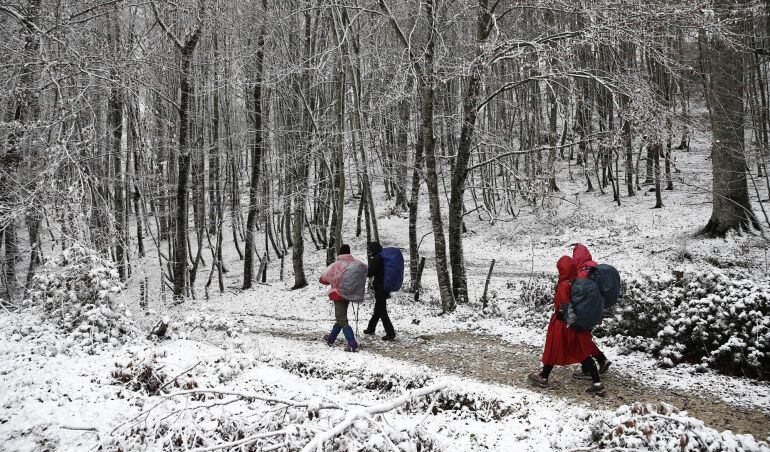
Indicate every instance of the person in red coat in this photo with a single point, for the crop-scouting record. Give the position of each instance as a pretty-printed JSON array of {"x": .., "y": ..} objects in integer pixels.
[
  {"x": 583, "y": 263},
  {"x": 565, "y": 345}
]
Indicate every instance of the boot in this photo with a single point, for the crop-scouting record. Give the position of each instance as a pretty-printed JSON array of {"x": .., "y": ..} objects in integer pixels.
[
  {"x": 352, "y": 346},
  {"x": 538, "y": 380},
  {"x": 389, "y": 337},
  {"x": 368, "y": 331},
  {"x": 597, "y": 389},
  {"x": 581, "y": 375},
  {"x": 331, "y": 338}
]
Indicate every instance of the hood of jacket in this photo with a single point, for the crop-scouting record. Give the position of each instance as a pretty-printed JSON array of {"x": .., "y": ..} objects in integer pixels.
[
  {"x": 582, "y": 257},
  {"x": 567, "y": 269},
  {"x": 373, "y": 248},
  {"x": 346, "y": 258}
]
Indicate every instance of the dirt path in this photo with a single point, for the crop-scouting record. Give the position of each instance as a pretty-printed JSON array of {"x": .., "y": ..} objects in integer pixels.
[{"x": 490, "y": 359}]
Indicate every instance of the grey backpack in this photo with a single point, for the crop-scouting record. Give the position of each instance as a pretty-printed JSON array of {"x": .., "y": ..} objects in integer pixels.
[{"x": 353, "y": 282}]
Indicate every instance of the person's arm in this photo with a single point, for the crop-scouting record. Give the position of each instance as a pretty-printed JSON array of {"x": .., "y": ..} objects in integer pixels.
[
  {"x": 325, "y": 275},
  {"x": 563, "y": 298},
  {"x": 374, "y": 266}
]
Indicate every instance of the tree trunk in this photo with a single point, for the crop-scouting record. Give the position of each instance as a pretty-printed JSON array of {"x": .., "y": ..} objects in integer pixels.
[
  {"x": 26, "y": 110},
  {"x": 115, "y": 126},
  {"x": 460, "y": 166},
  {"x": 414, "y": 202},
  {"x": 183, "y": 158},
  {"x": 732, "y": 207},
  {"x": 256, "y": 159},
  {"x": 402, "y": 141},
  {"x": 434, "y": 203}
]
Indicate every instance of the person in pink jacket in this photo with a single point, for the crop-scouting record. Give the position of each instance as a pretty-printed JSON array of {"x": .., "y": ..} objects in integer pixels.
[{"x": 346, "y": 278}]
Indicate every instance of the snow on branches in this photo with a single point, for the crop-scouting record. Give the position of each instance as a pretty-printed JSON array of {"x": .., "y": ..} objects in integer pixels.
[{"x": 76, "y": 289}]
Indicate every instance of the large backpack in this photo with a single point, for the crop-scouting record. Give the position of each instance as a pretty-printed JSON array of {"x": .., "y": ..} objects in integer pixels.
[
  {"x": 608, "y": 279},
  {"x": 353, "y": 281},
  {"x": 392, "y": 269},
  {"x": 586, "y": 309}
]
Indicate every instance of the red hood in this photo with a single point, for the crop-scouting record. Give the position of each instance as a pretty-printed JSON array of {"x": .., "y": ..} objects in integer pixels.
[
  {"x": 582, "y": 257},
  {"x": 567, "y": 269}
]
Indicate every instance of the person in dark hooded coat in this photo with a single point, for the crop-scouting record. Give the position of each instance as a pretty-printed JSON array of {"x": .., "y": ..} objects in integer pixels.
[
  {"x": 377, "y": 270},
  {"x": 565, "y": 345}
]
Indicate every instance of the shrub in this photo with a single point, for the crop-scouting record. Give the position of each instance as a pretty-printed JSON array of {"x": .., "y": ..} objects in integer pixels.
[
  {"x": 727, "y": 327},
  {"x": 712, "y": 318},
  {"x": 76, "y": 289},
  {"x": 660, "y": 426},
  {"x": 645, "y": 306},
  {"x": 142, "y": 373}
]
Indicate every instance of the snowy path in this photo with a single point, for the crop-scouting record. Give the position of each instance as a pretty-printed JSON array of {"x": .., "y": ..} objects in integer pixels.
[
  {"x": 492, "y": 360},
  {"x": 500, "y": 355}
]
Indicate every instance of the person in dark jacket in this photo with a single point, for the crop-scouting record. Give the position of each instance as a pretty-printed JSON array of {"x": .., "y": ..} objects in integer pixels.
[{"x": 377, "y": 270}]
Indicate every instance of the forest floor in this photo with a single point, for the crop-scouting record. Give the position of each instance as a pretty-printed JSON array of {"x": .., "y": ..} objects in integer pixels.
[
  {"x": 490, "y": 359},
  {"x": 270, "y": 337}
]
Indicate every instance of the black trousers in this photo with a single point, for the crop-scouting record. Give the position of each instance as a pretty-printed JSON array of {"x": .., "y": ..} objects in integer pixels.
[
  {"x": 381, "y": 313},
  {"x": 588, "y": 365}
]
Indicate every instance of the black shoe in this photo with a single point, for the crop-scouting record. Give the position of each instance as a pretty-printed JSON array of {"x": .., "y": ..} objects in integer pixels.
[
  {"x": 597, "y": 389},
  {"x": 580, "y": 375},
  {"x": 604, "y": 367},
  {"x": 368, "y": 331},
  {"x": 538, "y": 380},
  {"x": 389, "y": 337}
]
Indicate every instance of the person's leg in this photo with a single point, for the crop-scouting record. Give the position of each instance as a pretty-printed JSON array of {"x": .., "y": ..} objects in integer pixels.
[
  {"x": 604, "y": 363},
  {"x": 600, "y": 358},
  {"x": 338, "y": 324},
  {"x": 597, "y": 388},
  {"x": 589, "y": 366},
  {"x": 372, "y": 327},
  {"x": 341, "y": 313},
  {"x": 389, "y": 331},
  {"x": 347, "y": 330}
]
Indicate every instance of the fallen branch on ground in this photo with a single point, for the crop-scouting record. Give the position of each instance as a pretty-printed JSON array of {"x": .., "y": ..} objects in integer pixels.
[
  {"x": 317, "y": 442},
  {"x": 180, "y": 374}
]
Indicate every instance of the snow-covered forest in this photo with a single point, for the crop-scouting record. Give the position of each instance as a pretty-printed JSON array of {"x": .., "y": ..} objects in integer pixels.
[{"x": 175, "y": 178}]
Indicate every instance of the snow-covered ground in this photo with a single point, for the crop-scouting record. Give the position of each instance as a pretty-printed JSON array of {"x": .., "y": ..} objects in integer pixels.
[{"x": 266, "y": 342}]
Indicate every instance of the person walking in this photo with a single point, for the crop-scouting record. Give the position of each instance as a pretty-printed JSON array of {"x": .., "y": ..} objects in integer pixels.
[
  {"x": 377, "y": 270},
  {"x": 346, "y": 278},
  {"x": 564, "y": 345},
  {"x": 583, "y": 263}
]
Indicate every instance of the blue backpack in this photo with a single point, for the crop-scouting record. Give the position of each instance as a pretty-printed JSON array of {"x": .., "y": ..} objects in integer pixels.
[
  {"x": 392, "y": 269},
  {"x": 607, "y": 279},
  {"x": 586, "y": 309}
]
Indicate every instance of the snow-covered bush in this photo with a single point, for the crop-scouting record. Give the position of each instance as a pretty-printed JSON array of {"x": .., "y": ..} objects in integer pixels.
[
  {"x": 537, "y": 292},
  {"x": 645, "y": 306},
  {"x": 712, "y": 318},
  {"x": 141, "y": 373},
  {"x": 727, "y": 327},
  {"x": 644, "y": 426},
  {"x": 233, "y": 365},
  {"x": 76, "y": 289}
]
